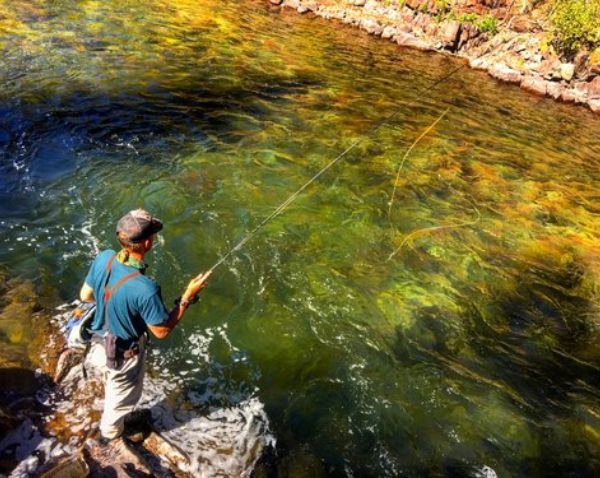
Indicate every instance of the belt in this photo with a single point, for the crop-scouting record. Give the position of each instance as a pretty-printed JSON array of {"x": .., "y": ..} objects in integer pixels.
[{"x": 129, "y": 351}]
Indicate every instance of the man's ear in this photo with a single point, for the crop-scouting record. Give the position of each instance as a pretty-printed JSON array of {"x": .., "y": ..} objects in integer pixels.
[{"x": 148, "y": 243}]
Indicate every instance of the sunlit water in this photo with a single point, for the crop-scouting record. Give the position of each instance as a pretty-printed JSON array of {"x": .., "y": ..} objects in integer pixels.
[{"x": 475, "y": 347}]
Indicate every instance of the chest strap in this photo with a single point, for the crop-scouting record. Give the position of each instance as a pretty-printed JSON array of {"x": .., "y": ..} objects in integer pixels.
[{"x": 110, "y": 291}]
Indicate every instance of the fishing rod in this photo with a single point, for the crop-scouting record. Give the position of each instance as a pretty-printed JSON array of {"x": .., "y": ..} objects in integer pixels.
[{"x": 294, "y": 195}]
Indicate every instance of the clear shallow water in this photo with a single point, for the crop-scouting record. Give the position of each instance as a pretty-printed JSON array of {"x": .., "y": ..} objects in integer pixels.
[{"x": 475, "y": 345}]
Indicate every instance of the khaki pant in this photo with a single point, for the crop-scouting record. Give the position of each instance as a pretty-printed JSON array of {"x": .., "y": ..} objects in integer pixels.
[{"x": 122, "y": 388}]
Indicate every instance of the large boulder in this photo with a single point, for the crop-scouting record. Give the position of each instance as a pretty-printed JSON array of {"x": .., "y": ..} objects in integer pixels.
[
  {"x": 504, "y": 73},
  {"x": 535, "y": 85},
  {"x": 406, "y": 39},
  {"x": 388, "y": 32},
  {"x": 554, "y": 89},
  {"x": 573, "y": 95},
  {"x": 371, "y": 26},
  {"x": 567, "y": 71},
  {"x": 450, "y": 34},
  {"x": 593, "y": 89}
]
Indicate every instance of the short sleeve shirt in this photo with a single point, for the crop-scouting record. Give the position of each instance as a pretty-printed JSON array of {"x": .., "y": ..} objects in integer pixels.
[{"x": 134, "y": 305}]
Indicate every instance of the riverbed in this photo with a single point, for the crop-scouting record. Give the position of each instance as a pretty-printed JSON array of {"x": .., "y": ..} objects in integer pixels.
[{"x": 474, "y": 348}]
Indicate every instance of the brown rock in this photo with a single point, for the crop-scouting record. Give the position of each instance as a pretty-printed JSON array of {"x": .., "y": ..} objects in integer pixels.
[
  {"x": 580, "y": 62},
  {"x": 478, "y": 64},
  {"x": 422, "y": 21},
  {"x": 468, "y": 31},
  {"x": 595, "y": 106},
  {"x": 406, "y": 15},
  {"x": 406, "y": 39},
  {"x": 405, "y": 27},
  {"x": 414, "y": 4},
  {"x": 554, "y": 90},
  {"x": 371, "y": 26},
  {"x": 450, "y": 34},
  {"x": 523, "y": 23},
  {"x": 388, "y": 32},
  {"x": 549, "y": 68},
  {"x": 276, "y": 2},
  {"x": 535, "y": 85},
  {"x": 359, "y": 3},
  {"x": 291, "y": 3},
  {"x": 71, "y": 466},
  {"x": 504, "y": 73},
  {"x": 432, "y": 7},
  {"x": 593, "y": 88},
  {"x": 571, "y": 95}
]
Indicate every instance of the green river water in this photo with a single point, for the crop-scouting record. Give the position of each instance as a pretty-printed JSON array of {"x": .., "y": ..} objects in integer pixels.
[{"x": 476, "y": 347}]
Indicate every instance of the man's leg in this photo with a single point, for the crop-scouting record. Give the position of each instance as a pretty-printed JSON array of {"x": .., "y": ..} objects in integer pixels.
[
  {"x": 96, "y": 360},
  {"x": 122, "y": 391}
]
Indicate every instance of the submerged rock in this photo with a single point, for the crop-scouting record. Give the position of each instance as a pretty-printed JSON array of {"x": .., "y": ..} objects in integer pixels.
[{"x": 70, "y": 467}]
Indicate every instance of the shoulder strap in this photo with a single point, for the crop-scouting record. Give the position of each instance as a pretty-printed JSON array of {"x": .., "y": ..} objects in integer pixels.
[{"x": 110, "y": 291}]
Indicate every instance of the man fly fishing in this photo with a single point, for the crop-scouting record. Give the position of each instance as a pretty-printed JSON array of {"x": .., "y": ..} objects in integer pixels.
[{"x": 128, "y": 304}]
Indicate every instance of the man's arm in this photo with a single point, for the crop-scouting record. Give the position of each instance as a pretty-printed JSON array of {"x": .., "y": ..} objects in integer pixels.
[
  {"x": 160, "y": 331},
  {"x": 86, "y": 294}
]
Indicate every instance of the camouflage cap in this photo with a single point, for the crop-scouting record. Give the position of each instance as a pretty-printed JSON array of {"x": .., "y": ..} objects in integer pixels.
[{"x": 137, "y": 225}]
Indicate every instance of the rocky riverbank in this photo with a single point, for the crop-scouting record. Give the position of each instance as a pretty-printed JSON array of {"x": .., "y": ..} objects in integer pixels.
[
  {"x": 510, "y": 40},
  {"x": 50, "y": 406}
]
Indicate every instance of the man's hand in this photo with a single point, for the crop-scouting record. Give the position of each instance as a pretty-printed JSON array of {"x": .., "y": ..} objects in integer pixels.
[
  {"x": 196, "y": 285},
  {"x": 86, "y": 294}
]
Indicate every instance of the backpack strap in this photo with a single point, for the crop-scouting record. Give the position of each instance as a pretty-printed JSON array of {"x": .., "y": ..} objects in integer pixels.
[{"x": 110, "y": 291}]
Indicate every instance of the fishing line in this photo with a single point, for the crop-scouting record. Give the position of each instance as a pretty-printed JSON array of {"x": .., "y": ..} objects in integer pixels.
[
  {"x": 408, "y": 237},
  {"x": 436, "y": 228},
  {"x": 421, "y": 136},
  {"x": 293, "y": 196}
]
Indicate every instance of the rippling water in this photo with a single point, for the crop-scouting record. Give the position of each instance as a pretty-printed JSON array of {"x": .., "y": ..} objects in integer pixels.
[{"x": 475, "y": 347}]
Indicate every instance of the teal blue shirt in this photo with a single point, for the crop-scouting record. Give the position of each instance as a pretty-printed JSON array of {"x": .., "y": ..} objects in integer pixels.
[{"x": 135, "y": 304}]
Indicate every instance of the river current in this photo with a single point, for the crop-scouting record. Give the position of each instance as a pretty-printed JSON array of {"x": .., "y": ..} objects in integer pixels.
[{"x": 473, "y": 351}]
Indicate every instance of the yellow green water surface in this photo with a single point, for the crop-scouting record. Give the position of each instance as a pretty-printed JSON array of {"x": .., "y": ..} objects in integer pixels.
[{"x": 477, "y": 345}]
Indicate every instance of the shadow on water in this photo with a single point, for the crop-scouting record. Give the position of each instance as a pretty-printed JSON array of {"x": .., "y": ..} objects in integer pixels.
[
  {"x": 41, "y": 141},
  {"x": 21, "y": 414},
  {"x": 534, "y": 345}
]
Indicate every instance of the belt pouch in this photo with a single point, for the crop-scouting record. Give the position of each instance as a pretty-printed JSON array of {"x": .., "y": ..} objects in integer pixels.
[{"x": 112, "y": 353}]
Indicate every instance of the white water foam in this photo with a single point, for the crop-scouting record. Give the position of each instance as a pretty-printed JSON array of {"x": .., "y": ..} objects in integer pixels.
[
  {"x": 222, "y": 442},
  {"x": 219, "y": 440}
]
